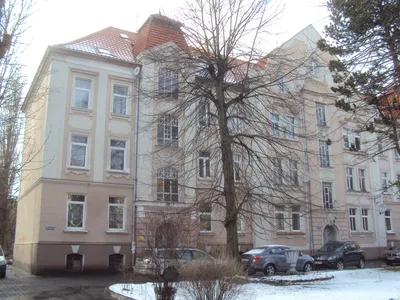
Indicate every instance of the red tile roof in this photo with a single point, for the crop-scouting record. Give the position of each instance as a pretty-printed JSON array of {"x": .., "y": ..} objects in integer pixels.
[{"x": 109, "y": 39}]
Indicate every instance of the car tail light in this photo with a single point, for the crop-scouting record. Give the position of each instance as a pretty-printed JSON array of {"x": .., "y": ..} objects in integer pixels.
[{"x": 255, "y": 258}]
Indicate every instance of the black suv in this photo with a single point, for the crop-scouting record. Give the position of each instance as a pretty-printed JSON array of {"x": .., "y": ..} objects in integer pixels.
[{"x": 337, "y": 255}]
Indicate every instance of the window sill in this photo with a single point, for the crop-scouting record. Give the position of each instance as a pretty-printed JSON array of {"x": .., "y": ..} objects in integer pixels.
[
  {"x": 75, "y": 230},
  {"x": 87, "y": 111},
  {"x": 326, "y": 167},
  {"x": 210, "y": 233},
  {"x": 205, "y": 179},
  {"x": 322, "y": 125},
  {"x": 110, "y": 231},
  {"x": 391, "y": 232},
  {"x": 120, "y": 116},
  {"x": 290, "y": 233},
  {"x": 354, "y": 192},
  {"x": 125, "y": 172},
  {"x": 78, "y": 168}
]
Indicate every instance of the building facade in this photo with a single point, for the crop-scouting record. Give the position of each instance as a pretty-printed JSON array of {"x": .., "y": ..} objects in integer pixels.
[{"x": 104, "y": 171}]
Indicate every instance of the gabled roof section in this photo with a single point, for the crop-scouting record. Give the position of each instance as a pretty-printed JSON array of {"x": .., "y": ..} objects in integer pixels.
[
  {"x": 158, "y": 30},
  {"x": 107, "y": 42}
]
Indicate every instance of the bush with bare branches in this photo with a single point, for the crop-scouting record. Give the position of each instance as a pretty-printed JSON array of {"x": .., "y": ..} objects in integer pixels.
[{"x": 219, "y": 279}]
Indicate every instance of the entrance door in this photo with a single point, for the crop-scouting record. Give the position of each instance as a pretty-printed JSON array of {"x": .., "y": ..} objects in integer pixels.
[{"x": 330, "y": 233}]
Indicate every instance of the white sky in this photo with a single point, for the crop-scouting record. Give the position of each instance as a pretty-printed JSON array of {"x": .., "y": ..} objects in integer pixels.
[{"x": 60, "y": 21}]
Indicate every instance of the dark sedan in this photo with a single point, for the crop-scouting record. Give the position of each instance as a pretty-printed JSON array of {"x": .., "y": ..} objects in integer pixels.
[
  {"x": 338, "y": 255},
  {"x": 393, "y": 256}
]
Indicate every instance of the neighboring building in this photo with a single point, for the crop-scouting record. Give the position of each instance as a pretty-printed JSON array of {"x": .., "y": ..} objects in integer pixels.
[{"x": 78, "y": 203}]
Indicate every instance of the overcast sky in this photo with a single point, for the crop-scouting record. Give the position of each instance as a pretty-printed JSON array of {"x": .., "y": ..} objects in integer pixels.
[{"x": 60, "y": 21}]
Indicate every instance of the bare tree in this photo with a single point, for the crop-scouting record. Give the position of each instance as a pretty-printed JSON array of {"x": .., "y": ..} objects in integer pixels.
[
  {"x": 14, "y": 15},
  {"x": 221, "y": 97}
]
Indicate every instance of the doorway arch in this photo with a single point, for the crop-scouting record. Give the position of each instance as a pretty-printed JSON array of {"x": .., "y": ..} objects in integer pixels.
[{"x": 330, "y": 233}]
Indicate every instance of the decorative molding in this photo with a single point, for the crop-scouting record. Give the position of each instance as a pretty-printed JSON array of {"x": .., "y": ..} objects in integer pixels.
[
  {"x": 117, "y": 249},
  {"x": 75, "y": 248}
]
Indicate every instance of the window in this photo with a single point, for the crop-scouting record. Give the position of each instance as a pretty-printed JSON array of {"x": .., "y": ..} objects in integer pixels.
[
  {"x": 82, "y": 92},
  {"x": 204, "y": 164},
  {"x": 115, "y": 262},
  {"x": 167, "y": 131},
  {"x": 120, "y": 99},
  {"x": 365, "y": 219},
  {"x": 74, "y": 262},
  {"x": 346, "y": 138},
  {"x": 105, "y": 52},
  {"x": 398, "y": 185},
  {"x": 324, "y": 154},
  {"x": 384, "y": 181},
  {"x": 357, "y": 143},
  {"x": 314, "y": 68},
  {"x": 353, "y": 219},
  {"x": 205, "y": 217},
  {"x": 117, "y": 155},
  {"x": 237, "y": 159},
  {"x": 204, "y": 113},
  {"x": 234, "y": 124},
  {"x": 280, "y": 82},
  {"x": 293, "y": 173},
  {"x": 274, "y": 120},
  {"x": 279, "y": 218},
  {"x": 240, "y": 224},
  {"x": 168, "y": 83},
  {"x": 295, "y": 217},
  {"x": 349, "y": 179},
  {"x": 388, "y": 220},
  {"x": 78, "y": 150},
  {"x": 321, "y": 114},
  {"x": 124, "y": 35},
  {"x": 291, "y": 128},
  {"x": 278, "y": 172},
  {"x": 116, "y": 213},
  {"x": 327, "y": 195},
  {"x": 76, "y": 212},
  {"x": 361, "y": 180},
  {"x": 167, "y": 185}
]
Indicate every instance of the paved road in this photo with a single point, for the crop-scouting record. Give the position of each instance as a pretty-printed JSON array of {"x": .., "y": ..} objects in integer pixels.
[{"x": 19, "y": 285}]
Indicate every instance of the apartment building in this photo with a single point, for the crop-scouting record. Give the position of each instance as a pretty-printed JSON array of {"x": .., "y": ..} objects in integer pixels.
[{"x": 106, "y": 148}]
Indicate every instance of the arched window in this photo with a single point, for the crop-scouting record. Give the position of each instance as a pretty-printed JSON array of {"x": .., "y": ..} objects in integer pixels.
[
  {"x": 74, "y": 262},
  {"x": 115, "y": 261}
]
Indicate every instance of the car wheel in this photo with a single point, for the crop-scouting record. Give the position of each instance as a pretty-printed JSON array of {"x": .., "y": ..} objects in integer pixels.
[
  {"x": 340, "y": 265},
  {"x": 171, "y": 274},
  {"x": 308, "y": 267},
  {"x": 361, "y": 264},
  {"x": 270, "y": 270}
]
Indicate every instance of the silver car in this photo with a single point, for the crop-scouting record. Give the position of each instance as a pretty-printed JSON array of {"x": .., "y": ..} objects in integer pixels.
[{"x": 271, "y": 259}]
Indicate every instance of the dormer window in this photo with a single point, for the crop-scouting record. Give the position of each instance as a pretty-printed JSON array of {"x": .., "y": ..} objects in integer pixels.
[
  {"x": 124, "y": 36},
  {"x": 105, "y": 52}
]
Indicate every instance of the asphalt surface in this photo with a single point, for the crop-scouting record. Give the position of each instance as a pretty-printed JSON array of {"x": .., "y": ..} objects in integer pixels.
[{"x": 20, "y": 285}]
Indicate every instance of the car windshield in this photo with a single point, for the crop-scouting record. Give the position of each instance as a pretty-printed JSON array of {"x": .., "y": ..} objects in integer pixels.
[
  {"x": 255, "y": 251},
  {"x": 329, "y": 247}
]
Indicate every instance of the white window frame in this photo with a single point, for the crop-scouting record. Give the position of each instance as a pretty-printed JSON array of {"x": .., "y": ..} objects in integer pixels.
[
  {"x": 353, "y": 219},
  {"x": 168, "y": 91},
  {"x": 365, "y": 220},
  {"x": 357, "y": 137},
  {"x": 294, "y": 172},
  {"x": 240, "y": 224},
  {"x": 75, "y": 88},
  {"x": 350, "y": 178},
  {"x": 86, "y": 166},
  {"x": 121, "y": 96},
  {"x": 204, "y": 164},
  {"x": 125, "y": 169},
  {"x": 278, "y": 170},
  {"x": 321, "y": 114},
  {"x": 279, "y": 211},
  {"x": 237, "y": 163},
  {"x": 291, "y": 128},
  {"x": 346, "y": 134},
  {"x": 204, "y": 113},
  {"x": 327, "y": 195},
  {"x": 398, "y": 186},
  {"x": 388, "y": 216},
  {"x": 298, "y": 214},
  {"x": 123, "y": 213},
  {"x": 324, "y": 157},
  {"x": 362, "y": 180},
  {"x": 167, "y": 174},
  {"x": 274, "y": 124},
  {"x": 83, "y": 203},
  {"x": 168, "y": 125},
  {"x": 209, "y": 215}
]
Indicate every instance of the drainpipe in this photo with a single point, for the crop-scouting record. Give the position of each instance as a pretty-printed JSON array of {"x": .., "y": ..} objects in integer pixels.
[
  {"x": 308, "y": 186},
  {"x": 135, "y": 169}
]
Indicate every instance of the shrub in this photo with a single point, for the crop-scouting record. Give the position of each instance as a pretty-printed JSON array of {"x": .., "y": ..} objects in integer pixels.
[{"x": 212, "y": 280}]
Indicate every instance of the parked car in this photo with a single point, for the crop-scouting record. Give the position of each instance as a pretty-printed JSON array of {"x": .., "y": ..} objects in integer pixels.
[
  {"x": 271, "y": 259},
  {"x": 166, "y": 262},
  {"x": 392, "y": 256},
  {"x": 339, "y": 254},
  {"x": 3, "y": 264}
]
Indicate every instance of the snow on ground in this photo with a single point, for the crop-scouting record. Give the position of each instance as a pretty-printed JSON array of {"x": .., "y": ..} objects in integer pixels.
[{"x": 374, "y": 284}]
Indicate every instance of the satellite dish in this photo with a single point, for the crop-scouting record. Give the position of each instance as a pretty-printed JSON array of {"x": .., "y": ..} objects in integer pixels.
[{"x": 136, "y": 71}]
